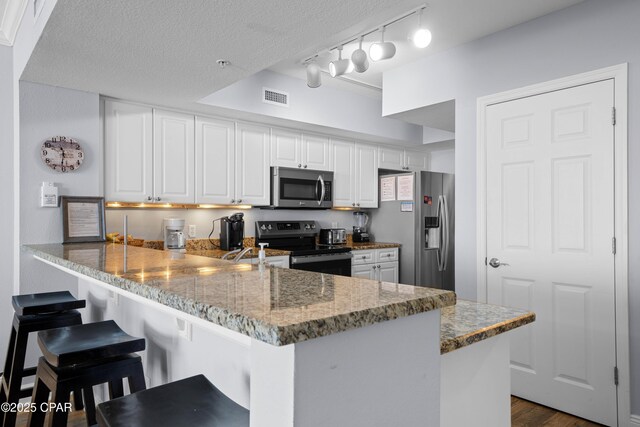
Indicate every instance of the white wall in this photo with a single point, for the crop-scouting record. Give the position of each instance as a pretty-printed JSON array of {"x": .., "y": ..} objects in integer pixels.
[
  {"x": 47, "y": 111},
  {"x": 147, "y": 223},
  {"x": 323, "y": 106},
  {"x": 6, "y": 193},
  {"x": 588, "y": 36}
]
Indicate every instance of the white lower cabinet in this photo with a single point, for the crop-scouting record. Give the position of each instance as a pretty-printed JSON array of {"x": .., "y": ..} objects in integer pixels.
[{"x": 376, "y": 264}]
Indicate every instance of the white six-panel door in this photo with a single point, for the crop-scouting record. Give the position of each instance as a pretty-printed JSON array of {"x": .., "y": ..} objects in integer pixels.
[{"x": 550, "y": 217}]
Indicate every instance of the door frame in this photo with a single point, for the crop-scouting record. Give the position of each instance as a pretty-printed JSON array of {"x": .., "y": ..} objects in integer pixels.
[{"x": 619, "y": 74}]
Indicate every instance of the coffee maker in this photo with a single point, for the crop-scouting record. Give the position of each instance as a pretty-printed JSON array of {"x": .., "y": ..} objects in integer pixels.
[
  {"x": 232, "y": 232},
  {"x": 174, "y": 239},
  {"x": 360, "y": 228}
]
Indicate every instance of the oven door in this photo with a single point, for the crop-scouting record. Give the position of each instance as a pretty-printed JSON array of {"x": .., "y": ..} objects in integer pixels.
[
  {"x": 339, "y": 264},
  {"x": 295, "y": 188}
]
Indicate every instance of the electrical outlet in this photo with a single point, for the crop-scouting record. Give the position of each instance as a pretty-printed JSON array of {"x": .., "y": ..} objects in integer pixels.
[{"x": 192, "y": 231}]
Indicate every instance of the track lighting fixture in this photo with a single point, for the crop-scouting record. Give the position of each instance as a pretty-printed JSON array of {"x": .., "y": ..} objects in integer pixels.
[
  {"x": 422, "y": 36},
  {"x": 359, "y": 59},
  {"x": 340, "y": 66},
  {"x": 314, "y": 79},
  {"x": 382, "y": 50}
]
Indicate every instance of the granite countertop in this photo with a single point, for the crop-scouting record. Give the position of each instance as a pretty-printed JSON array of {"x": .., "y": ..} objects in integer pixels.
[
  {"x": 218, "y": 253},
  {"x": 372, "y": 245},
  {"x": 468, "y": 322},
  {"x": 277, "y": 306}
]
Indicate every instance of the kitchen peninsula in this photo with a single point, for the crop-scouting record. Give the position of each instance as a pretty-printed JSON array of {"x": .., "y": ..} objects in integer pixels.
[{"x": 361, "y": 350}]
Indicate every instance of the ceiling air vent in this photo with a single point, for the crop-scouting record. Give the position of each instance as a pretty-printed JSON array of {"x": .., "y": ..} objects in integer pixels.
[{"x": 275, "y": 97}]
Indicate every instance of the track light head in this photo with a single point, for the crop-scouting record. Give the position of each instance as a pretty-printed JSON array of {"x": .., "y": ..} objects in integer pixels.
[
  {"x": 340, "y": 66},
  {"x": 382, "y": 50},
  {"x": 422, "y": 36},
  {"x": 314, "y": 77},
  {"x": 359, "y": 59}
]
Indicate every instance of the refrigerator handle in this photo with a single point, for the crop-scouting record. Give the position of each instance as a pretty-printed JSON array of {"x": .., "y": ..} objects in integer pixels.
[
  {"x": 441, "y": 246},
  {"x": 445, "y": 249}
]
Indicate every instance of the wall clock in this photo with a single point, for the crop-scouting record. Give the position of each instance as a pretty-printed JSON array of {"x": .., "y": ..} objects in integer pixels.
[{"x": 62, "y": 154}]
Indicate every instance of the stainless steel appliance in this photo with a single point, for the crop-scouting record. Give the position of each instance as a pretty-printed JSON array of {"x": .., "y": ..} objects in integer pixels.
[
  {"x": 301, "y": 188},
  {"x": 174, "y": 238},
  {"x": 299, "y": 237},
  {"x": 425, "y": 228},
  {"x": 361, "y": 220},
  {"x": 333, "y": 236},
  {"x": 232, "y": 232}
]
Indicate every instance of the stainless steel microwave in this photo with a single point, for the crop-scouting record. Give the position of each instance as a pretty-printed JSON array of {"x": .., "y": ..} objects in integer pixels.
[{"x": 301, "y": 188}]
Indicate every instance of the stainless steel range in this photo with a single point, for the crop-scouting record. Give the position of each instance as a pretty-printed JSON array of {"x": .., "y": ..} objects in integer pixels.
[{"x": 299, "y": 237}]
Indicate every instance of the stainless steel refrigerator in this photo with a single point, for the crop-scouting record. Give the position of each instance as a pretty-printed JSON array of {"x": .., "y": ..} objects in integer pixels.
[{"x": 424, "y": 226}]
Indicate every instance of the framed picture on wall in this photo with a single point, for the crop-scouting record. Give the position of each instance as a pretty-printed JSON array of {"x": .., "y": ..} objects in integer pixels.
[{"x": 82, "y": 219}]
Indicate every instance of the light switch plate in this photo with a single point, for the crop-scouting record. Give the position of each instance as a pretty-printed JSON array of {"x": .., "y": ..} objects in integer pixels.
[{"x": 192, "y": 231}]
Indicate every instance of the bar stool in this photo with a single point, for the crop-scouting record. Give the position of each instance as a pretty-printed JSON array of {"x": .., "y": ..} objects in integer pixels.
[
  {"x": 33, "y": 312},
  {"x": 190, "y": 402},
  {"x": 79, "y": 357}
]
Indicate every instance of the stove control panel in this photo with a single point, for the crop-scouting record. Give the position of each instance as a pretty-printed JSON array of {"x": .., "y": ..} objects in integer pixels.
[{"x": 286, "y": 228}]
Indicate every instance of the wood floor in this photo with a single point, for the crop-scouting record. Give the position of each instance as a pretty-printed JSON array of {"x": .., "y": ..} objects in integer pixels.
[
  {"x": 529, "y": 414},
  {"x": 523, "y": 414}
]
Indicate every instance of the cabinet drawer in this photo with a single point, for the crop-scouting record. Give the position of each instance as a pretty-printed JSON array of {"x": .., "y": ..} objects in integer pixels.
[
  {"x": 363, "y": 257},
  {"x": 384, "y": 255}
]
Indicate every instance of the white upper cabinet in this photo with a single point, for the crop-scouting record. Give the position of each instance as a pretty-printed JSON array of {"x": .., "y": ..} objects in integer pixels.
[
  {"x": 128, "y": 152},
  {"x": 416, "y": 160},
  {"x": 252, "y": 164},
  {"x": 402, "y": 160},
  {"x": 316, "y": 152},
  {"x": 391, "y": 158},
  {"x": 215, "y": 161},
  {"x": 286, "y": 148},
  {"x": 366, "y": 176},
  {"x": 343, "y": 173},
  {"x": 293, "y": 149},
  {"x": 173, "y": 157}
]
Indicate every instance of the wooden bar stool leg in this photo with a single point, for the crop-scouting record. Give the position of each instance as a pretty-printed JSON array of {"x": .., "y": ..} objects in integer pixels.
[
  {"x": 59, "y": 415},
  {"x": 116, "y": 389},
  {"x": 15, "y": 376},
  {"x": 40, "y": 396},
  {"x": 90, "y": 406},
  {"x": 136, "y": 380}
]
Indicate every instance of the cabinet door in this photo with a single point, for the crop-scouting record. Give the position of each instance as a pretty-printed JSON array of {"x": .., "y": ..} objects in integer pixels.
[
  {"x": 252, "y": 164},
  {"x": 417, "y": 161},
  {"x": 173, "y": 157},
  {"x": 286, "y": 148},
  {"x": 365, "y": 271},
  {"x": 366, "y": 176},
  {"x": 215, "y": 161},
  {"x": 388, "y": 272},
  {"x": 391, "y": 158},
  {"x": 128, "y": 146},
  {"x": 343, "y": 173},
  {"x": 316, "y": 152}
]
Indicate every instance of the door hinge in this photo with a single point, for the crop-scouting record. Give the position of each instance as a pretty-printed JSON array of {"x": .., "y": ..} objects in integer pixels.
[
  {"x": 613, "y": 245},
  {"x": 485, "y": 260},
  {"x": 615, "y": 375},
  {"x": 613, "y": 116}
]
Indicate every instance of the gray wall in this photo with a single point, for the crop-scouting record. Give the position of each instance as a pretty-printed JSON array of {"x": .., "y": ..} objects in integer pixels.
[
  {"x": 588, "y": 36},
  {"x": 47, "y": 111},
  {"x": 323, "y": 106},
  {"x": 6, "y": 193}
]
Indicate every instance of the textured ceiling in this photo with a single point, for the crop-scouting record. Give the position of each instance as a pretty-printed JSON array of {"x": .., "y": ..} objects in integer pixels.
[{"x": 165, "y": 51}]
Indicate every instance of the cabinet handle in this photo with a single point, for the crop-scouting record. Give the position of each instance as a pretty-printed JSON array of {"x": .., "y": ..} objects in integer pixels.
[
  {"x": 364, "y": 257},
  {"x": 239, "y": 200},
  {"x": 358, "y": 204},
  {"x": 233, "y": 200},
  {"x": 157, "y": 199},
  {"x": 389, "y": 255},
  {"x": 299, "y": 165},
  {"x": 305, "y": 166},
  {"x": 378, "y": 265},
  {"x": 353, "y": 204},
  {"x": 149, "y": 198}
]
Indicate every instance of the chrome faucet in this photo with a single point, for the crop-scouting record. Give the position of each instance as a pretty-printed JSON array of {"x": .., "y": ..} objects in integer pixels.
[
  {"x": 228, "y": 254},
  {"x": 242, "y": 254}
]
